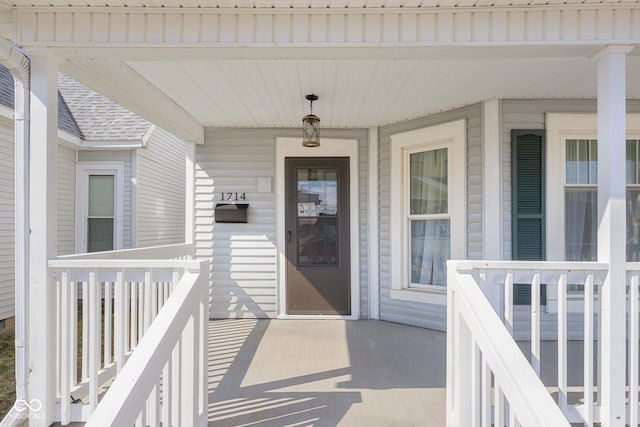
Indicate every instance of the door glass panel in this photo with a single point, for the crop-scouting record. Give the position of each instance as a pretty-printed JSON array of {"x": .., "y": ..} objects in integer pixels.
[
  {"x": 317, "y": 223},
  {"x": 317, "y": 242}
]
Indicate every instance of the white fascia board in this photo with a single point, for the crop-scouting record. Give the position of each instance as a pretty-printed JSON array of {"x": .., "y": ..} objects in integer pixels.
[
  {"x": 110, "y": 144},
  {"x": 68, "y": 139}
]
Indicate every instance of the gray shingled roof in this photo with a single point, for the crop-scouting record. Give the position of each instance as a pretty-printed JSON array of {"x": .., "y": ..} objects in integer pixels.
[
  {"x": 99, "y": 118},
  {"x": 65, "y": 118}
]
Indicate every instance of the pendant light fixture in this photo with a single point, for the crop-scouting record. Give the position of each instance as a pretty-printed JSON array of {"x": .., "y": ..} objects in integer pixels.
[{"x": 311, "y": 125}]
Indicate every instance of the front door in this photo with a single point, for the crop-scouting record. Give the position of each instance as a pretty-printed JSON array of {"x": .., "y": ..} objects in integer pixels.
[{"x": 318, "y": 278}]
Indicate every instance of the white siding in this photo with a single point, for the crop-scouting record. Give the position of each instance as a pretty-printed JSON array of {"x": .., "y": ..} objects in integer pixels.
[
  {"x": 244, "y": 256},
  {"x": 160, "y": 191},
  {"x": 7, "y": 238},
  {"x": 414, "y": 313},
  {"x": 120, "y": 156},
  {"x": 530, "y": 114},
  {"x": 66, "y": 200}
]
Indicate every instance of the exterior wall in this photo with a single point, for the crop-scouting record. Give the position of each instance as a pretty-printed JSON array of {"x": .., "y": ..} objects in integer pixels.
[
  {"x": 7, "y": 238},
  {"x": 160, "y": 191},
  {"x": 530, "y": 114},
  {"x": 415, "y": 313},
  {"x": 244, "y": 256},
  {"x": 66, "y": 200},
  {"x": 120, "y": 156}
]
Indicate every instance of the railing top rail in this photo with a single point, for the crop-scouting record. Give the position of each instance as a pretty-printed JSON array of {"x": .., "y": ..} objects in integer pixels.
[
  {"x": 633, "y": 266},
  {"x": 152, "y": 252},
  {"x": 463, "y": 265},
  {"x": 61, "y": 264}
]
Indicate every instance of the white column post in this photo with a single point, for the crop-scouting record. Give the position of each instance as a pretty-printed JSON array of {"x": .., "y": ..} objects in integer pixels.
[
  {"x": 372, "y": 220},
  {"x": 611, "y": 232},
  {"x": 190, "y": 186},
  {"x": 43, "y": 220},
  {"x": 492, "y": 180}
]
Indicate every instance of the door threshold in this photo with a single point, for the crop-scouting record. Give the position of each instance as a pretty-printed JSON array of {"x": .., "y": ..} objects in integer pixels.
[{"x": 316, "y": 317}]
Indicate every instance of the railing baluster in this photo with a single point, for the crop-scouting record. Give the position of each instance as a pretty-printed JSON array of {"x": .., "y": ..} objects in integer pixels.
[
  {"x": 167, "y": 387},
  {"x": 134, "y": 315},
  {"x": 562, "y": 343},
  {"x": 66, "y": 330},
  {"x": 588, "y": 349},
  {"x": 634, "y": 353},
  {"x": 85, "y": 330},
  {"x": 476, "y": 384},
  {"x": 74, "y": 332},
  {"x": 153, "y": 288},
  {"x": 107, "y": 323},
  {"x": 120, "y": 320},
  {"x": 148, "y": 296},
  {"x": 508, "y": 302},
  {"x": 535, "y": 323},
  {"x": 486, "y": 394},
  {"x": 498, "y": 406},
  {"x": 176, "y": 379},
  {"x": 94, "y": 343},
  {"x": 58, "y": 352},
  {"x": 141, "y": 312},
  {"x": 154, "y": 405}
]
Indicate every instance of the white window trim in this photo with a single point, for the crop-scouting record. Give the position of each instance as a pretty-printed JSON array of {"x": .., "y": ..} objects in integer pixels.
[
  {"x": 83, "y": 170},
  {"x": 451, "y": 135},
  {"x": 561, "y": 127}
]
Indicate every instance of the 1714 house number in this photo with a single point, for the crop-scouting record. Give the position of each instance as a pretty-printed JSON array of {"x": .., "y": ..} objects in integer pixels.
[{"x": 233, "y": 197}]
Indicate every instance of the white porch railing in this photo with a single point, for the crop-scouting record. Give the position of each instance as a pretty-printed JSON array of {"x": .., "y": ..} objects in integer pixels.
[
  {"x": 110, "y": 304},
  {"x": 481, "y": 321}
]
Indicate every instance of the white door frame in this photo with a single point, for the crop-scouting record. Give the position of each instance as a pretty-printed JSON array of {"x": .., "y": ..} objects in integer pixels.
[
  {"x": 83, "y": 170},
  {"x": 292, "y": 147}
]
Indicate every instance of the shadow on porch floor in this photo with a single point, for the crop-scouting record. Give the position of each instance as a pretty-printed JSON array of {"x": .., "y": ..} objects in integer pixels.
[{"x": 325, "y": 373}]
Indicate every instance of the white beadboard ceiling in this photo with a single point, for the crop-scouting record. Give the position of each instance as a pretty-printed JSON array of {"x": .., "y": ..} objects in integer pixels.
[{"x": 362, "y": 93}]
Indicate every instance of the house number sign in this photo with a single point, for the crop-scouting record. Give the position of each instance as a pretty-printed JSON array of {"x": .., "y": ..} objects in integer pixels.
[{"x": 233, "y": 197}]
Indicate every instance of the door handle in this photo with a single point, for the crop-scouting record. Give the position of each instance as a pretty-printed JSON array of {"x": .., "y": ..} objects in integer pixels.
[{"x": 289, "y": 235}]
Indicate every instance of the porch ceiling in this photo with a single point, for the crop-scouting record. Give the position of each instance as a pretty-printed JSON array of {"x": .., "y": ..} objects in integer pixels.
[{"x": 358, "y": 87}]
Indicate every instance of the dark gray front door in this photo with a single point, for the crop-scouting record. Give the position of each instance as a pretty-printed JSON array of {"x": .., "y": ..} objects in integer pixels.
[{"x": 317, "y": 227}]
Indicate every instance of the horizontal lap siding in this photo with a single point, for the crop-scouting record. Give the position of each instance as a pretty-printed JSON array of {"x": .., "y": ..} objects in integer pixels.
[
  {"x": 415, "y": 313},
  {"x": 160, "y": 191},
  {"x": 244, "y": 259},
  {"x": 243, "y": 267},
  {"x": 7, "y": 237},
  {"x": 66, "y": 200}
]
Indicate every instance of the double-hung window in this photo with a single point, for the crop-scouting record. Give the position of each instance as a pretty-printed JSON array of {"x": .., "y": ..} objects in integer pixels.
[
  {"x": 99, "y": 206},
  {"x": 573, "y": 167},
  {"x": 428, "y": 210}
]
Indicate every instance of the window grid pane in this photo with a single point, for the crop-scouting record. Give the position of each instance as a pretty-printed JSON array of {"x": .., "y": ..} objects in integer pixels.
[
  {"x": 101, "y": 195},
  {"x": 430, "y": 250},
  {"x": 632, "y": 161},
  {"x": 428, "y": 182},
  {"x": 581, "y": 161},
  {"x": 581, "y": 224}
]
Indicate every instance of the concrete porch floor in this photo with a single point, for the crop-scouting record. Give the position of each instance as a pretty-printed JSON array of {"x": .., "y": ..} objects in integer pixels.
[{"x": 325, "y": 373}]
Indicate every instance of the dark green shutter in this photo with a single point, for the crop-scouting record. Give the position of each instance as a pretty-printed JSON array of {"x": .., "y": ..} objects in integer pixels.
[
  {"x": 528, "y": 204},
  {"x": 528, "y": 194}
]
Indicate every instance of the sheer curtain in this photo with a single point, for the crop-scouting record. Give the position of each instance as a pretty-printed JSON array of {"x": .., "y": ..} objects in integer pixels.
[{"x": 430, "y": 247}]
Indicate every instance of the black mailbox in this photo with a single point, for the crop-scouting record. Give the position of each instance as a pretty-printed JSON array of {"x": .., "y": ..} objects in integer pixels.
[{"x": 231, "y": 212}]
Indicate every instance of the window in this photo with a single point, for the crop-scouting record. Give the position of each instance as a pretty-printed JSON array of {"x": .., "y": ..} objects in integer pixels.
[
  {"x": 428, "y": 210},
  {"x": 572, "y": 176},
  {"x": 99, "y": 206}
]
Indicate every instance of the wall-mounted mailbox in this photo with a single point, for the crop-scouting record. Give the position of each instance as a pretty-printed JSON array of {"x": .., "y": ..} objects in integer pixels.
[{"x": 231, "y": 212}]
